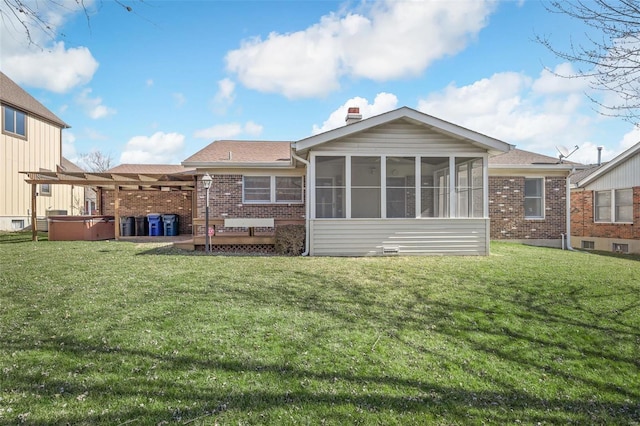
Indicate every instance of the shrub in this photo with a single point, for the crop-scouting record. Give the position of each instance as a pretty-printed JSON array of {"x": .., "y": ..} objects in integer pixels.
[{"x": 290, "y": 239}]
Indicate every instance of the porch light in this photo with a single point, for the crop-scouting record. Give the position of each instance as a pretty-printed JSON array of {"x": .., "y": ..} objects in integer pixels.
[{"x": 206, "y": 182}]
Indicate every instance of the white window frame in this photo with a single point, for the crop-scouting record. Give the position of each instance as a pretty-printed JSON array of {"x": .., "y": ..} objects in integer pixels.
[
  {"x": 45, "y": 189},
  {"x": 272, "y": 190},
  {"x": 542, "y": 198},
  {"x": 613, "y": 214}
]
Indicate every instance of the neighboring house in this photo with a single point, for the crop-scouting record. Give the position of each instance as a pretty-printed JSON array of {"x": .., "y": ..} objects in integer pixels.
[
  {"x": 605, "y": 205},
  {"x": 31, "y": 140},
  {"x": 528, "y": 197}
]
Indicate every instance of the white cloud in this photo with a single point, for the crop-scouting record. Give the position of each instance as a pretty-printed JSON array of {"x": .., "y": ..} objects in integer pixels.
[
  {"x": 382, "y": 103},
  {"x": 69, "y": 146},
  {"x": 93, "y": 107},
  {"x": 229, "y": 131},
  {"x": 560, "y": 81},
  {"x": 506, "y": 106},
  {"x": 179, "y": 99},
  {"x": 226, "y": 88},
  {"x": 44, "y": 62},
  {"x": 159, "y": 148},
  {"x": 387, "y": 40}
]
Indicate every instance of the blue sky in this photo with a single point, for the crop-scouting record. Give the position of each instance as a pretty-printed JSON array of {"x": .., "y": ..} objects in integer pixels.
[{"x": 159, "y": 83}]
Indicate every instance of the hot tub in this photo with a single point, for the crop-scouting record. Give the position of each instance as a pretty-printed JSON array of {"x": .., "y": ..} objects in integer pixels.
[{"x": 81, "y": 228}]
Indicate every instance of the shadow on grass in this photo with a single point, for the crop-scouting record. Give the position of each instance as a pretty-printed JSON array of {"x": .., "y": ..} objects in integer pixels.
[
  {"x": 420, "y": 397},
  {"x": 624, "y": 256},
  {"x": 21, "y": 237}
]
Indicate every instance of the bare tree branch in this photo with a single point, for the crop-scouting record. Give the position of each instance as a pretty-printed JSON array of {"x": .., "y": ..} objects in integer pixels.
[{"x": 609, "y": 61}]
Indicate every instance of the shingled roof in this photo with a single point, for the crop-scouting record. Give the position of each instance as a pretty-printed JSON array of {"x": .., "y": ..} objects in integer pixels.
[
  {"x": 521, "y": 157},
  {"x": 13, "y": 95},
  {"x": 242, "y": 153}
]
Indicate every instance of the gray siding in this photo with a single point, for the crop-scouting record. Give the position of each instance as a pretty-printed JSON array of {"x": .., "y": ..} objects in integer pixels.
[
  {"x": 399, "y": 137},
  {"x": 368, "y": 237},
  {"x": 625, "y": 175}
]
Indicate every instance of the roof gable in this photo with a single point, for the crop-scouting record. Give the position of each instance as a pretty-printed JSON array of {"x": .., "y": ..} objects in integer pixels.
[
  {"x": 13, "y": 95},
  {"x": 611, "y": 165},
  {"x": 494, "y": 146}
]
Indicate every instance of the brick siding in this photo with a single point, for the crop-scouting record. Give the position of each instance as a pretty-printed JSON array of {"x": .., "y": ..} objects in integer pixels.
[
  {"x": 142, "y": 203},
  {"x": 582, "y": 224},
  {"x": 225, "y": 201},
  {"x": 506, "y": 209}
]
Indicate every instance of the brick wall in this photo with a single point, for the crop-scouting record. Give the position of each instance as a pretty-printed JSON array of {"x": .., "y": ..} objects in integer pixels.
[
  {"x": 582, "y": 224},
  {"x": 141, "y": 203},
  {"x": 506, "y": 209},
  {"x": 225, "y": 201}
]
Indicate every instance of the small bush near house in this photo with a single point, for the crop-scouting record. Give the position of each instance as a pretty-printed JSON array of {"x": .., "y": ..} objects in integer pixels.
[{"x": 290, "y": 240}]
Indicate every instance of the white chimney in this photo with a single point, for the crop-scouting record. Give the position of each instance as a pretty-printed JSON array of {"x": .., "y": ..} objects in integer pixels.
[
  {"x": 353, "y": 115},
  {"x": 600, "y": 155}
]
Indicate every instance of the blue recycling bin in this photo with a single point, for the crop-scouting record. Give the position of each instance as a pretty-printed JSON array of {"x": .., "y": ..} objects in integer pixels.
[
  {"x": 155, "y": 225},
  {"x": 170, "y": 222}
]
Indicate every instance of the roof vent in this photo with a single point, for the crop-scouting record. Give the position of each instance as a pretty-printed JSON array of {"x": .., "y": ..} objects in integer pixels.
[{"x": 353, "y": 115}]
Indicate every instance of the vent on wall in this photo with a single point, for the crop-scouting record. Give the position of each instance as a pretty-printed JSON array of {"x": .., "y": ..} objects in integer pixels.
[{"x": 390, "y": 250}]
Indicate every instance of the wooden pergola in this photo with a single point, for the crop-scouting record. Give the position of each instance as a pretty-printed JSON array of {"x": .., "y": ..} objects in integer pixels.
[{"x": 183, "y": 181}]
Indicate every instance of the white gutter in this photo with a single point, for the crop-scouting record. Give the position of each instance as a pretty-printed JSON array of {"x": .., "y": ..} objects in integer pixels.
[
  {"x": 307, "y": 203},
  {"x": 568, "y": 202}
]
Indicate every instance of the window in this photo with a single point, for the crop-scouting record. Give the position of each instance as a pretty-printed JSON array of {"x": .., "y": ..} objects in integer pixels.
[
  {"x": 330, "y": 187},
  {"x": 401, "y": 187},
  {"x": 257, "y": 189},
  {"x": 14, "y": 121},
  {"x": 272, "y": 189},
  {"x": 45, "y": 189},
  {"x": 434, "y": 187},
  {"x": 620, "y": 248},
  {"x": 602, "y": 206},
  {"x": 534, "y": 198},
  {"x": 469, "y": 187},
  {"x": 588, "y": 245},
  {"x": 624, "y": 205},
  {"x": 365, "y": 187},
  {"x": 17, "y": 224},
  {"x": 398, "y": 187},
  {"x": 288, "y": 189},
  {"x": 613, "y": 206}
]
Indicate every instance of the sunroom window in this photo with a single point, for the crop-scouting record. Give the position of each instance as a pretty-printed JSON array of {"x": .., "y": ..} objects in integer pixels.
[
  {"x": 365, "y": 187},
  {"x": 330, "y": 187},
  {"x": 434, "y": 186},
  {"x": 401, "y": 187}
]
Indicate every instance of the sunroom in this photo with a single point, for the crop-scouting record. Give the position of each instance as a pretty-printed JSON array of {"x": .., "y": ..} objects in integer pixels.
[{"x": 399, "y": 183}]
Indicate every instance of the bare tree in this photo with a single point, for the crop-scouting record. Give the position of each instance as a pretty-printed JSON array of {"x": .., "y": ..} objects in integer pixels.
[
  {"x": 30, "y": 16},
  {"x": 609, "y": 58},
  {"x": 96, "y": 161}
]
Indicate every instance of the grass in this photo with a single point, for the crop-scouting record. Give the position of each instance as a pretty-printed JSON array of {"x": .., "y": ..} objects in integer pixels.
[{"x": 123, "y": 334}]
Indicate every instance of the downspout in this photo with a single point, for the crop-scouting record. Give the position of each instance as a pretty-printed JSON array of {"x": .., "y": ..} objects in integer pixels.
[
  {"x": 307, "y": 203},
  {"x": 568, "y": 196}
]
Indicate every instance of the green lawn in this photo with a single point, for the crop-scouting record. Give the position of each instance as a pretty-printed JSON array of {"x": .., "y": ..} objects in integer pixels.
[{"x": 117, "y": 333}]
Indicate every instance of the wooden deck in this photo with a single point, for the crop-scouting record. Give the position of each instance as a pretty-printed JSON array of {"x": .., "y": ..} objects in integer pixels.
[{"x": 248, "y": 237}]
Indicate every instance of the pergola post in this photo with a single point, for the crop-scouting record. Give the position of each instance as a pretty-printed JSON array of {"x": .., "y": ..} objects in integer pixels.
[
  {"x": 34, "y": 206},
  {"x": 117, "y": 212}
]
